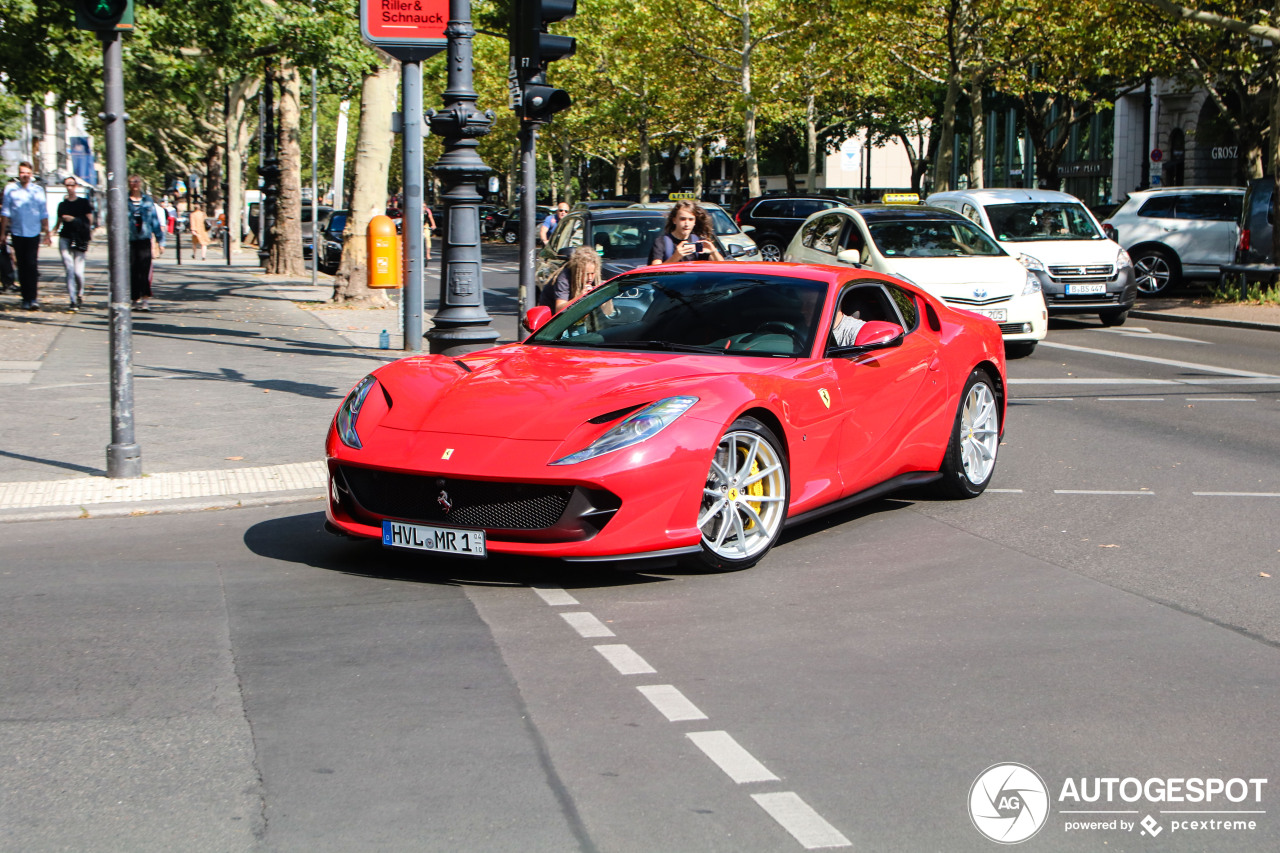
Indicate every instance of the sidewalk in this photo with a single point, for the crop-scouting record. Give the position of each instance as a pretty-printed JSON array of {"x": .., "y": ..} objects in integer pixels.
[{"x": 236, "y": 375}]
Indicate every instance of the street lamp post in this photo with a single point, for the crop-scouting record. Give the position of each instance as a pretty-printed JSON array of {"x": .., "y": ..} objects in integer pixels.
[{"x": 461, "y": 323}]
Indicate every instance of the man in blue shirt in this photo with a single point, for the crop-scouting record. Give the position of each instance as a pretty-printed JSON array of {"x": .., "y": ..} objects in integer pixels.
[
  {"x": 24, "y": 221},
  {"x": 549, "y": 224}
]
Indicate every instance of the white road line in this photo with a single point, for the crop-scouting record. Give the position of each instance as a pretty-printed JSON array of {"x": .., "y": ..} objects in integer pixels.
[
  {"x": 798, "y": 818},
  {"x": 625, "y": 660},
  {"x": 1237, "y": 494},
  {"x": 671, "y": 702},
  {"x": 738, "y": 764},
  {"x": 1222, "y": 399},
  {"x": 1096, "y": 492},
  {"x": 587, "y": 625},
  {"x": 1111, "y": 380},
  {"x": 1006, "y": 491},
  {"x": 553, "y": 595},
  {"x": 1016, "y": 400},
  {"x": 1131, "y": 399},
  {"x": 1143, "y": 332},
  {"x": 1169, "y": 362}
]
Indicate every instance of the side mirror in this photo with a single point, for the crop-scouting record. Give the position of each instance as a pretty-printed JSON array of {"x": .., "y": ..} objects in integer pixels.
[
  {"x": 537, "y": 317},
  {"x": 747, "y": 229},
  {"x": 877, "y": 333},
  {"x": 566, "y": 252},
  {"x": 736, "y": 251},
  {"x": 849, "y": 256}
]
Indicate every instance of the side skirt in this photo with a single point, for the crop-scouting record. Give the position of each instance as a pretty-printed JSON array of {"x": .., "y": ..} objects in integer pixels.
[{"x": 902, "y": 481}]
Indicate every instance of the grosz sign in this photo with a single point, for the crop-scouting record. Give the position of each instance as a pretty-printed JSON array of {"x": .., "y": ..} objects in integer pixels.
[{"x": 407, "y": 29}]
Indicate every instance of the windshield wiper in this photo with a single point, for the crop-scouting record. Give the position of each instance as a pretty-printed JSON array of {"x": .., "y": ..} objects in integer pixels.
[{"x": 668, "y": 346}]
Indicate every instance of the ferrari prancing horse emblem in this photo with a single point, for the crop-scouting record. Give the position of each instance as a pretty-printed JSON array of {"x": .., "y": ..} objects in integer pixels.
[
  {"x": 826, "y": 398},
  {"x": 447, "y": 453}
]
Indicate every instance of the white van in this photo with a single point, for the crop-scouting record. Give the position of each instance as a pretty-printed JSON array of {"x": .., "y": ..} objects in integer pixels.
[{"x": 1055, "y": 236}]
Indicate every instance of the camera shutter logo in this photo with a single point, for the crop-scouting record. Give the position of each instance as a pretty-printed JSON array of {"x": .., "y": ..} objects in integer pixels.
[{"x": 1008, "y": 803}]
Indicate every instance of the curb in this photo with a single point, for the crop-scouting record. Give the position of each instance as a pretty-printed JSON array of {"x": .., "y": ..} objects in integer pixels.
[
  {"x": 222, "y": 502},
  {"x": 1205, "y": 321}
]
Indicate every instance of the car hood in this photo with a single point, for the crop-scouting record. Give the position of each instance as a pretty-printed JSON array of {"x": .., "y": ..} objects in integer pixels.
[
  {"x": 1067, "y": 252},
  {"x": 544, "y": 393},
  {"x": 945, "y": 277}
]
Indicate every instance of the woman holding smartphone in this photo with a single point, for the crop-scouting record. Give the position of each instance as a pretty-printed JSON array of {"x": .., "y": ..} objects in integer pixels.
[{"x": 688, "y": 236}]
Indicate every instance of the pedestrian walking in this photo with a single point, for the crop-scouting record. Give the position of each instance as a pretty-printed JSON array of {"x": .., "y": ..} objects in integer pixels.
[
  {"x": 146, "y": 241},
  {"x": 428, "y": 225},
  {"x": 197, "y": 225},
  {"x": 24, "y": 221},
  {"x": 6, "y": 266},
  {"x": 549, "y": 224},
  {"x": 75, "y": 227}
]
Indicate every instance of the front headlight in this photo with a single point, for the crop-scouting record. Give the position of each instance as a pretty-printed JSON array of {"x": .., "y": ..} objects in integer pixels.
[
  {"x": 641, "y": 426},
  {"x": 1032, "y": 285},
  {"x": 350, "y": 411},
  {"x": 1032, "y": 263},
  {"x": 1123, "y": 260}
]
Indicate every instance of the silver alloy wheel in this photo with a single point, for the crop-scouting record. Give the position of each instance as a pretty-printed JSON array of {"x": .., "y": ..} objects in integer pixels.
[
  {"x": 744, "y": 500},
  {"x": 979, "y": 433},
  {"x": 770, "y": 252},
  {"x": 1152, "y": 272}
]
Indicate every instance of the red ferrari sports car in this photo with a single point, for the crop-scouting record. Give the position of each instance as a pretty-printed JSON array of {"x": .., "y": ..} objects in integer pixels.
[{"x": 684, "y": 410}]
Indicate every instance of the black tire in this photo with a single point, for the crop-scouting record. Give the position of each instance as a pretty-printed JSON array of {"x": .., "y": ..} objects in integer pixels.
[
  {"x": 1019, "y": 349},
  {"x": 1156, "y": 270},
  {"x": 1114, "y": 318},
  {"x": 770, "y": 249},
  {"x": 509, "y": 236},
  {"x": 748, "y": 486},
  {"x": 970, "y": 461}
]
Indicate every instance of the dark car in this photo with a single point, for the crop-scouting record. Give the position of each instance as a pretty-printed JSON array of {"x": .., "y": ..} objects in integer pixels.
[
  {"x": 332, "y": 224},
  {"x": 601, "y": 204},
  {"x": 772, "y": 220},
  {"x": 1254, "y": 244},
  {"x": 511, "y": 227}
]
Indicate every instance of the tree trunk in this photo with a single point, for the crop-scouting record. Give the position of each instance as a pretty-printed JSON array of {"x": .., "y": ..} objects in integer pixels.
[
  {"x": 566, "y": 170},
  {"x": 285, "y": 257},
  {"x": 552, "y": 187},
  {"x": 698, "y": 145},
  {"x": 947, "y": 136},
  {"x": 620, "y": 176},
  {"x": 978, "y": 139},
  {"x": 368, "y": 184},
  {"x": 340, "y": 157},
  {"x": 811, "y": 141},
  {"x": 237, "y": 143},
  {"x": 212, "y": 199},
  {"x": 750, "y": 150},
  {"x": 644, "y": 162}
]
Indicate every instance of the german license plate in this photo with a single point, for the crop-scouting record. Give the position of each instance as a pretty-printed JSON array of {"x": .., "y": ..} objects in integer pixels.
[
  {"x": 442, "y": 540},
  {"x": 997, "y": 314},
  {"x": 1080, "y": 289}
]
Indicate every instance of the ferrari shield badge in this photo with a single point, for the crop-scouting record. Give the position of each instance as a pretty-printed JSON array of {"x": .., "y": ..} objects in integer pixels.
[
  {"x": 448, "y": 452},
  {"x": 826, "y": 398}
]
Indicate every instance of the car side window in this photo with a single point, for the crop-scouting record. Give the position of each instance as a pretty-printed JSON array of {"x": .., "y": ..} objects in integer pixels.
[
  {"x": 905, "y": 301},
  {"x": 570, "y": 237},
  {"x": 1201, "y": 206},
  {"x": 826, "y": 233},
  {"x": 971, "y": 212},
  {"x": 807, "y": 207},
  {"x": 864, "y": 301},
  {"x": 1160, "y": 207},
  {"x": 772, "y": 207}
]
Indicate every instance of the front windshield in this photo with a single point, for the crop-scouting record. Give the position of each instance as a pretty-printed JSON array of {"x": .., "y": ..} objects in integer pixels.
[
  {"x": 1026, "y": 222},
  {"x": 721, "y": 223},
  {"x": 626, "y": 239},
  {"x": 718, "y": 313},
  {"x": 932, "y": 238}
]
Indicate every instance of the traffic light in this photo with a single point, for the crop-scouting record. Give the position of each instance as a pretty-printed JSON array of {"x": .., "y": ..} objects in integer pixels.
[
  {"x": 104, "y": 15},
  {"x": 532, "y": 47}
]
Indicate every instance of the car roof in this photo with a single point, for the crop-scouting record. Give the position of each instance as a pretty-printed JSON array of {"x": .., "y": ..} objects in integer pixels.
[
  {"x": 902, "y": 212},
  {"x": 620, "y": 213},
  {"x": 1185, "y": 190},
  {"x": 1008, "y": 195}
]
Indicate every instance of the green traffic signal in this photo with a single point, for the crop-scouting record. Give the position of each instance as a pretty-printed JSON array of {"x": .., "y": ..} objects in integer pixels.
[{"x": 104, "y": 15}]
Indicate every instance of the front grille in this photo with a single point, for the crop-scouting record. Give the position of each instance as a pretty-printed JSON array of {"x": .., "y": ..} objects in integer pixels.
[
  {"x": 473, "y": 503},
  {"x": 1053, "y": 299},
  {"x": 992, "y": 300},
  {"x": 1100, "y": 272}
]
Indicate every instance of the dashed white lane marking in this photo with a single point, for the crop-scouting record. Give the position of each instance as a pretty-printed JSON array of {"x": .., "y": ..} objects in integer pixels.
[
  {"x": 625, "y": 660},
  {"x": 1131, "y": 399},
  {"x": 1168, "y": 362},
  {"x": 671, "y": 702},
  {"x": 799, "y": 819},
  {"x": 1013, "y": 401},
  {"x": 1143, "y": 332},
  {"x": 1006, "y": 491},
  {"x": 738, "y": 764},
  {"x": 1097, "y": 492},
  {"x": 1111, "y": 380},
  {"x": 1222, "y": 399},
  {"x": 587, "y": 625},
  {"x": 1237, "y": 494},
  {"x": 554, "y": 595}
]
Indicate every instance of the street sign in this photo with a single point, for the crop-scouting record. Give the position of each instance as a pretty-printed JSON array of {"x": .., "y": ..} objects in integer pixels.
[
  {"x": 1156, "y": 155},
  {"x": 409, "y": 30}
]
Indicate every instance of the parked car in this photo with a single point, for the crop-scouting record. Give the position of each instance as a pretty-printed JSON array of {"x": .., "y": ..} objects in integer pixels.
[
  {"x": 1177, "y": 233},
  {"x": 511, "y": 225},
  {"x": 1055, "y": 236},
  {"x": 623, "y": 238},
  {"x": 722, "y": 224},
  {"x": 772, "y": 220},
  {"x": 696, "y": 428},
  {"x": 331, "y": 227},
  {"x": 938, "y": 250},
  {"x": 1254, "y": 245}
]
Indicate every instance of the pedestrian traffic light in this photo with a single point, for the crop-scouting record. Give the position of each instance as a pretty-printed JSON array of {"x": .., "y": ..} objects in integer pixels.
[
  {"x": 532, "y": 47},
  {"x": 104, "y": 15}
]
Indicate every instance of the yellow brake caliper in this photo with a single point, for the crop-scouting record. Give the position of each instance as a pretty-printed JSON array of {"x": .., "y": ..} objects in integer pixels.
[{"x": 756, "y": 489}]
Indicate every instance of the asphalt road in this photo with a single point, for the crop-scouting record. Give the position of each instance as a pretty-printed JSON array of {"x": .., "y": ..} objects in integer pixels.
[{"x": 239, "y": 680}]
